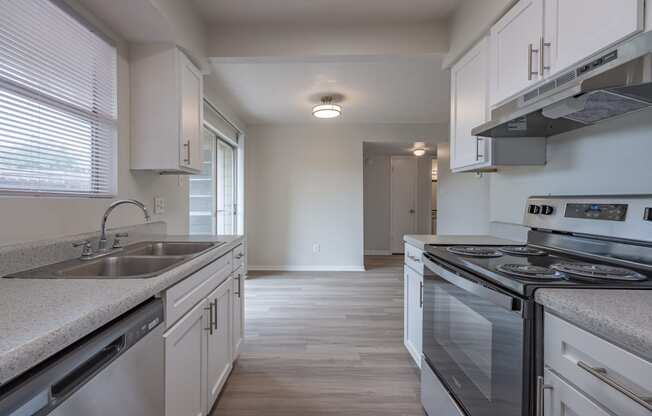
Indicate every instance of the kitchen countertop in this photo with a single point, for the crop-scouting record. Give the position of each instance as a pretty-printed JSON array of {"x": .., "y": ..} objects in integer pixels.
[
  {"x": 622, "y": 317},
  {"x": 423, "y": 240},
  {"x": 40, "y": 317}
]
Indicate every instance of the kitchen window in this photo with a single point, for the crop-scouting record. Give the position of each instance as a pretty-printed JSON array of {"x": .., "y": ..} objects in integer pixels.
[
  {"x": 58, "y": 102},
  {"x": 213, "y": 194}
]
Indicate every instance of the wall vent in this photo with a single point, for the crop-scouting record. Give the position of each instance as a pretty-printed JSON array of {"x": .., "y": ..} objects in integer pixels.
[
  {"x": 566, "y": 78},
  {"x": 531, "y": 95},
  {"x": 547, "y": 87}
]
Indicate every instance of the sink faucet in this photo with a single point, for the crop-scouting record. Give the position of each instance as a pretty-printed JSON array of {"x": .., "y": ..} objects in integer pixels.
[{"x": 102, "y": 244}]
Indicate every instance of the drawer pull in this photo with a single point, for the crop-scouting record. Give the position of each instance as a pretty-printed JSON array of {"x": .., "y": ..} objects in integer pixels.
[
  {"x": 601, "y": 374},
  {"x": 541, "y": 388},
  {"x": 415, "y": 259}
]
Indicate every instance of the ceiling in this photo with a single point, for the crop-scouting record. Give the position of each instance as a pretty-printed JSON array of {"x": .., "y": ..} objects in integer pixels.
[
  {"x": 324, "y": 12},
  {"x": 378, "y": 89}
]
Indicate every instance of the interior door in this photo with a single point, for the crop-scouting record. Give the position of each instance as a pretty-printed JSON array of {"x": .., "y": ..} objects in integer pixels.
[
  {"x": 191, "y": 115},
  {"x": 513, "y": 66},
  {"x": 579, "y": 28},
  {"x": 403, "y": 196}
]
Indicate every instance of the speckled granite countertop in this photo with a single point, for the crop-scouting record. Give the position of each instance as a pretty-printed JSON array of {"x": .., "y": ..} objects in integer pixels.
[
  {"x": 38, "y": 318},
  {"x": 623, "y": 317},
  {"x": 422, "y": 240}
]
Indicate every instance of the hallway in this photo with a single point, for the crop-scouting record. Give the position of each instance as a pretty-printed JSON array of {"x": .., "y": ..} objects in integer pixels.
[{"x": 324, "y": 343}]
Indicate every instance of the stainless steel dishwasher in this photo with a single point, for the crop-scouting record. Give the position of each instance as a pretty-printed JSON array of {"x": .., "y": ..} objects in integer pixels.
[{"x": 117, "y": 370}]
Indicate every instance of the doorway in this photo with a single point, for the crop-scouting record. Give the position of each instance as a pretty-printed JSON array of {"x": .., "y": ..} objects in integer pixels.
[{"x": 397, "y": 195}]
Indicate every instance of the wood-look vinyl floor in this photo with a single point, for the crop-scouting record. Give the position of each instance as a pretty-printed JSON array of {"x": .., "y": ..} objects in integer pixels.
[{"x": 324, "y": 343}]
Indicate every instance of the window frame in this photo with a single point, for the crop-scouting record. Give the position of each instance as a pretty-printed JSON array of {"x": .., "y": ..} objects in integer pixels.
[{"x": 73, "y": 111}]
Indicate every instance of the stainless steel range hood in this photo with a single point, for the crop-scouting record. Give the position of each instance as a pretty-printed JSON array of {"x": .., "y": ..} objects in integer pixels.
[{"x": 607, "y": 85}]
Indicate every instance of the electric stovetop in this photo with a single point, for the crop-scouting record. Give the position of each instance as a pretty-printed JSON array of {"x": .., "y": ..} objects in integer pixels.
[{"x": 523, "y": 269}]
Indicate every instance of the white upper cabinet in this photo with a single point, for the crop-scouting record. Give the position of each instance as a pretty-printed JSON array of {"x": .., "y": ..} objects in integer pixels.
[
  {"x": 576, "y": 29},
  {"x": 537, "y": 39},
  {"x": 514, "y": 49},
  {"x": 166, "y": 110},
  {"x": 469, "y": 106}
]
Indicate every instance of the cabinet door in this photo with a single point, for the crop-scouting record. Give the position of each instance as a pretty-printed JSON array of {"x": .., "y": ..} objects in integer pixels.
[
  {"x": 469, "y": 106},
  {"x": 561, "y": 399},
  {"x": 185, "y": 364},
  {"x": 238, "y": 312},
  {"x": 413, "y": 310},
  {"x": 219, "y": 341},
  {"x": 514, "y": 44},
  {"x": 576, "y": 29},
  {"x": 191, "y": 115}
]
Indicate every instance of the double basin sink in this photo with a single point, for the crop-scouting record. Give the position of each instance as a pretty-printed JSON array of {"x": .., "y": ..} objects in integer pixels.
[{"x": 136, "y": 261}]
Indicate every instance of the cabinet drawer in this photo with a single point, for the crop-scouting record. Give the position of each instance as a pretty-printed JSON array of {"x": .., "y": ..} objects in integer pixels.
[
  {"x": 591, "y": 363},
  {"x": 181, "y": 297},
  {"x": 413, "y": 258},
  {"x": 238, "y": 256},
  {"x": 561, "y": 399}
]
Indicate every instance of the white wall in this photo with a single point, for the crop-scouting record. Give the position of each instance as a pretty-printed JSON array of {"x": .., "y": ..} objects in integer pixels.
[
  {"x": 470, "y": 22},
  {"x": 610, "y": 158},
  {"x": 377, "y": 204},
  {"x": 305, "y": 186},
  {"x": 462, "y": 199}
]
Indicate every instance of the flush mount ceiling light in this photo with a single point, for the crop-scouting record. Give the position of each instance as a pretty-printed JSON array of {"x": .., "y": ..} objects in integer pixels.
[
  {"x": 327, "y": 109},
  {"x": 419, "y": 149}
]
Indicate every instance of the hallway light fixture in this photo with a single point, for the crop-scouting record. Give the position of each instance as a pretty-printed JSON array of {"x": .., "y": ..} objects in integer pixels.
[
  {"x": 419, "y": 149},
  {"x": 327, "y": 109}
]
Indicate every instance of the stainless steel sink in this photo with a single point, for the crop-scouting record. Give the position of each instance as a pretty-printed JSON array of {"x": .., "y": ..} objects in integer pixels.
[
  {"x": 137, "y": 261},
  {"x": 167, "y": 248},
  {"x": 121, "y": 266}
]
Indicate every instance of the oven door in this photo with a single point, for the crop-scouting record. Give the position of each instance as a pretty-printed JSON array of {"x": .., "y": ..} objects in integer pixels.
[{"x": 475, "y": 339}]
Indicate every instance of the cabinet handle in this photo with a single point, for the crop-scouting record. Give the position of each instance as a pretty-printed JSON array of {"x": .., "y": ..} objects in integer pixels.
[
  {"x": 239, "y": 279},
  {"x": 542, "y": 56},
  {"x": 541, "y": 388},
  {"x": 215, "y": 322},
  {"x": 421, "y": 295},
  {"x": 601, "y": 374},
  {"x": 239, "y": 256},
  {"x": 530, "y": 72},
  {"x": 210, "y": 318},
  {"x": 187, "y": 146},
  {"x": 478, "y": 156}
]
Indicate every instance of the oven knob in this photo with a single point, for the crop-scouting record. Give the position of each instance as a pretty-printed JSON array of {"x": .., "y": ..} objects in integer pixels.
[
  {"x": 547, "y": 209},
  {"x": 534, "y": 209}
]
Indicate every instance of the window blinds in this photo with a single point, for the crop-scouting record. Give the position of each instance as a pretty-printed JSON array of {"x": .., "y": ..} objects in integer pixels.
[{"x": 58, "y": 109}]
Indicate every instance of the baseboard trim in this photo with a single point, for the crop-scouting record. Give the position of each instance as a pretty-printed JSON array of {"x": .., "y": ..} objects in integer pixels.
[
  {"x": 288, "y": 268},
  {"x": 378, "y": 252}
]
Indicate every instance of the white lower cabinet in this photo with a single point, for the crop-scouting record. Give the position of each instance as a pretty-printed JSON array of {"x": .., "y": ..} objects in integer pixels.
[
  {"x": 185, "y": 364},
  {"x": 201, "y": 346},
  {"x": 413, "y": 313},
  {"x": 602, "y": 375},
  {"x": 218, "y": 340},
  {"x": 561, "y": 399},
  {"x": 238, "y": 312}
]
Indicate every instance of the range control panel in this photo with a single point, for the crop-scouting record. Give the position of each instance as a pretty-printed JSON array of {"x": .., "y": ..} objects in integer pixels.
[
  {"x": 606, "y": 212},
  {"x": 627, "y": 216}
]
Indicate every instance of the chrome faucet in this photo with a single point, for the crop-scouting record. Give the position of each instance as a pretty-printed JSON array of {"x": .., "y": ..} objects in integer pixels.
[{"x": 102, "y": 244}]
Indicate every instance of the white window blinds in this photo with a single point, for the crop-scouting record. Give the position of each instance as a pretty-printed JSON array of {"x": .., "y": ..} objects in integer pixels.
[{"x": 58, "y": 110}]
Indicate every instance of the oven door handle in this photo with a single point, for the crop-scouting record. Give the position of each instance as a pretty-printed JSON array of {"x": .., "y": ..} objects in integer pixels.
[{"x": 500, "y": 299}]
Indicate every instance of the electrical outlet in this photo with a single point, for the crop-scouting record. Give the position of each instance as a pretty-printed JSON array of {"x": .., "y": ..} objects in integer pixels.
[
  {"x": 159, "y": 205},
  {"x": 316, "y": 248}
]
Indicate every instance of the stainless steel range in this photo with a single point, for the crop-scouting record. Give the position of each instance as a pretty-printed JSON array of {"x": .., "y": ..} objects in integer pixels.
[{"x": 482, "y": 330}]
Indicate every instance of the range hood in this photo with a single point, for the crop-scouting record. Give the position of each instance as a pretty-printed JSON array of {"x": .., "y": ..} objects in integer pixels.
[{"x": 607, "y": 85}]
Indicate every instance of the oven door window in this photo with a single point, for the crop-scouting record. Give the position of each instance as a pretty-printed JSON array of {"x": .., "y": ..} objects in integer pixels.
[{"x": 475, "y": 347}]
